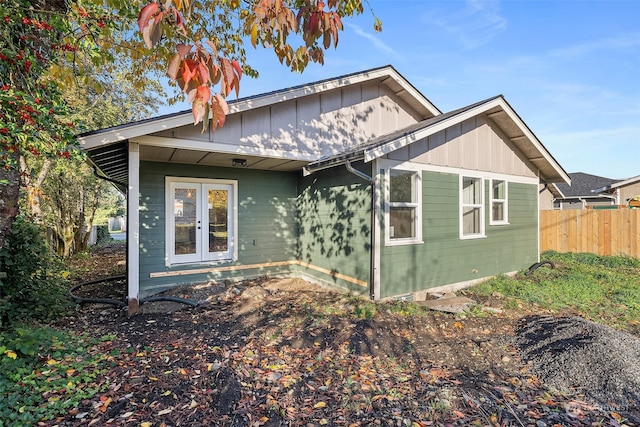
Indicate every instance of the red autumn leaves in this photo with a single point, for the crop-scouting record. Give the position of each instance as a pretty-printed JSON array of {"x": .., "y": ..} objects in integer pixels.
[{"x": 195, "y": 68}]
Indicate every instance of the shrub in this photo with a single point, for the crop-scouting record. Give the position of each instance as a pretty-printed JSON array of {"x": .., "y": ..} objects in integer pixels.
[
  {"x": 35, "y": 281},
  {"x": 102, "y": 235}
]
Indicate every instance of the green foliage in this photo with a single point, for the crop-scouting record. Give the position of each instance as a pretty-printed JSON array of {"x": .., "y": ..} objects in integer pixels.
[
  {"x": 103, "y": 235},
  {"x": 405, "y": 308},
  {"x": 44, "y": 373},
  {"x": 35, "y": 283},
  {"x": 33, "y": 118},
  {"x": 603, "y": 289}
]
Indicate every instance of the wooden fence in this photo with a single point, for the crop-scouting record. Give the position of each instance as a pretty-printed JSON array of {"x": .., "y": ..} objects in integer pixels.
[{"x": 599, "y": 231}]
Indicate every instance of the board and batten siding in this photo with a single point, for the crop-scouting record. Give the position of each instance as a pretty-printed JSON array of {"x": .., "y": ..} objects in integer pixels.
[
  {"x": 444, "y": 258},
  {"x": 334, "y": 227},
  {"x": 266, "y": 223},
  {"x": 317, "y": 125},
  {"x": 474, "y": 144}
]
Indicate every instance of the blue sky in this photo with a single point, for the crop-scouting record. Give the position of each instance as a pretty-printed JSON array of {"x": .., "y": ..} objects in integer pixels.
[{"x": 571, "y": 69}]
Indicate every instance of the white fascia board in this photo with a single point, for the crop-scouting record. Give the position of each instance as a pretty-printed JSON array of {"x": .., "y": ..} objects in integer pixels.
[
  {"x": 125, "y": 132},
  {"x": 626, "y": 182},
  {"x": 217, "y": 147},
  {"x": 406, "y": 139},
  {"x": 534, "y": 140},
  {"x": 134, "y": 130},
  {"x": 558, "y": 190},
  {"x": 343, "y": 81},
  {"x": 412, "y": 91}
]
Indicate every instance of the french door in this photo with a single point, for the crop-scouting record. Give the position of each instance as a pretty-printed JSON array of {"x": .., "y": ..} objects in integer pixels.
[{"x": 201, "y": 220}]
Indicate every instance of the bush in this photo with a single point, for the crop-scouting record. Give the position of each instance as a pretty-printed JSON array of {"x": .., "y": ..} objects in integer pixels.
[
  {"x": 35, "y": 283},
  {"x": 102, "y": 235}
]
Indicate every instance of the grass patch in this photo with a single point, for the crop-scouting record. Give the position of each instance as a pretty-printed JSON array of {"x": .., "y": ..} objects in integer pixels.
[
  {"x": 602, "y": 289},
  {"x": 44, "y": 373}
]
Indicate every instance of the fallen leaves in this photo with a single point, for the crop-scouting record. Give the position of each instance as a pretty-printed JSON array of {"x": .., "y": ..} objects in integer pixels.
[{"x": 292, "y": 363}]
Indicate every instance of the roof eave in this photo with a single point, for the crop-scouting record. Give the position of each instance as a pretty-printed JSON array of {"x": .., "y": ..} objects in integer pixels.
[
  {"x": 542, "y": 157},
  {"x": 127, "y": 131}
]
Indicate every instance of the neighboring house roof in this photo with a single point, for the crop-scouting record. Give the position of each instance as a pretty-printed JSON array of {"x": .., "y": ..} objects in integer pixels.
[
  {"x": 496, "y": 108},
  {"x": 626, "y": 182},
  {"x": 618, "y": 184},
  {"x": 583, "y": 185}
]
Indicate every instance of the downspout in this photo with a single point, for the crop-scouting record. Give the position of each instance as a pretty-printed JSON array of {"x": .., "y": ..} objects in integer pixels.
[
  {"x": 372, "y": 264},
  {"x": 546, "y": 185}
]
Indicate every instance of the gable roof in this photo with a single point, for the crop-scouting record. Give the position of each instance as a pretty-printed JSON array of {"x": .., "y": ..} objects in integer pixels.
[
  {"x": 387, "y": 75},
  {"x": 583, "y": 185},
  {"x": 496, "y": 108},
  {"x": 107, "y": 148},
  {"x": 617, "y": 184}
]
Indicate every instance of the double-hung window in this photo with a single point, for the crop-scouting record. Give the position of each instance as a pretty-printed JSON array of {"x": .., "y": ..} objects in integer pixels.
[
  {"x": 499, "y": 205},
  {"x": 404, "y": 216},
  {"x": 201, "y": 220},
  {"x": 471, "y": 207}
]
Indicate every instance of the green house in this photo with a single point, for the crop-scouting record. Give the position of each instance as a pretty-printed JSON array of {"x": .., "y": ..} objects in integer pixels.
[{"x": 357, "y": 182}]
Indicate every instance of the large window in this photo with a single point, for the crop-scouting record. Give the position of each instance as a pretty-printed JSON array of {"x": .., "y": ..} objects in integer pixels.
[
  {"x": 499, "y": 205},
  {"x": 471, "y": 207},
  {"x": 404, "y": 223},
  {"x": 201, "y": 220}
]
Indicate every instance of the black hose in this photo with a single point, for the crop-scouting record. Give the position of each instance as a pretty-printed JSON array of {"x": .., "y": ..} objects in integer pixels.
[
  {"x": 537, "y": 265},
  {"x": 170, "y": 298},
  {"x": 82, "y": 300}
]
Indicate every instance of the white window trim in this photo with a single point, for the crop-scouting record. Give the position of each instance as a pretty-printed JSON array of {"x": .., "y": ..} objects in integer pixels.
[
  {"x": 504, "y": 201},
  {"x": 169, "y": 225},
  {"x": 481, "y": 205},
  {"x": 388, "y": 241}
]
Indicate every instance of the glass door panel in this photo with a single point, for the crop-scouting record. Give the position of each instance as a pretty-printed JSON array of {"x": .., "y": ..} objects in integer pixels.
[
  {"x": 218, "y": 214},
  {"x": 186, "y": 222},
  {"x": 201, "y": 222}
]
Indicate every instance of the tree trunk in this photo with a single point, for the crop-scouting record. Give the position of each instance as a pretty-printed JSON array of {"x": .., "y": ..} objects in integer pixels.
[
  {"x": 96, "y": 199},
  {"x": 9, "y": 195},
  {"x": 34, "y": 189}
]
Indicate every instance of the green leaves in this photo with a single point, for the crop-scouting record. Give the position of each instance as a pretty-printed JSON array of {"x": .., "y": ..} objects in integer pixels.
[{"x": 47, "y": 379}]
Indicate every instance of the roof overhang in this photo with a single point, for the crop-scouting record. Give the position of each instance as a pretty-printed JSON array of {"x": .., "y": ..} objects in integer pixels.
[
  {"x": 496, "y": 109},
  {"x": 107, "y": 148},
  {"x": 626, "y": 182},
  {"x": 387, "y": 75}
]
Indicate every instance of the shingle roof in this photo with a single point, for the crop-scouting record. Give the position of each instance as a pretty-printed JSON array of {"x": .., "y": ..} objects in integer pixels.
[{"x": 583, "y": 184}]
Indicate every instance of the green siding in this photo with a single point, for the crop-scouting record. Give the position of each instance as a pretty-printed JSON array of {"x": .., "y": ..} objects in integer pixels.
[
  {"x": 266, "y": 215},
  {"x": 444, "y": 258},
  {"x": 334, "y": 217}
]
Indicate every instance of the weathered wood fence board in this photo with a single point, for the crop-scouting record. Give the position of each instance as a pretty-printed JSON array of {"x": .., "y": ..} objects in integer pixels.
[{"x": 603, "y": 232}]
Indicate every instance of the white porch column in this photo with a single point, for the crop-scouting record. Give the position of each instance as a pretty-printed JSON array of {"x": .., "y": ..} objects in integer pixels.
[
  {"x": 133, "y": 231},
  {"x": 376, "y": 227}
]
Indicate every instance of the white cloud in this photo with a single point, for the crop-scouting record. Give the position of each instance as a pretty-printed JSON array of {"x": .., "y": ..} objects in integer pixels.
[
  {"x": 623, "y": 42},
  {"x": 376, "y": 42},
  {"x": 475, "y": 25}
]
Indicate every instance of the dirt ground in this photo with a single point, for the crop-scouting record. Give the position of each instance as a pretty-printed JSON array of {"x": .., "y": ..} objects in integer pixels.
[{"x": 282, "y": 352}]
